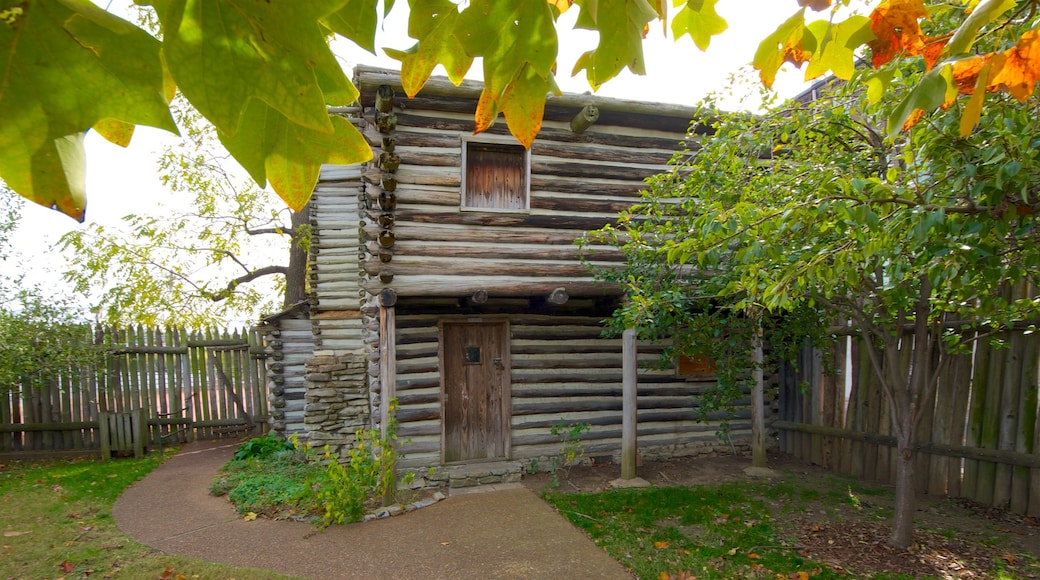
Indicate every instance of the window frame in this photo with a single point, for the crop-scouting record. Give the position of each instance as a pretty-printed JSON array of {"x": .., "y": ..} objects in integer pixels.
[{"x": 465, "y": 141}]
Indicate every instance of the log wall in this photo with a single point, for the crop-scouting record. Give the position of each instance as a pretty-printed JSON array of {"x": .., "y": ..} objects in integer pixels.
[
  {"x": 392, "y": 234},
  {"x": 563, "y": 370},
  {"x": 420, "y": 242}
]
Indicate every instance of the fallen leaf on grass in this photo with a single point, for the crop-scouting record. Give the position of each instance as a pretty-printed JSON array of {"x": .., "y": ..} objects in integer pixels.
[
  {"x": 753, "y": 556},
  {"x": 660, "y": 545},
  {"x": 249, "y": 516},
  {"x": 66, "y": 567},
  {"x": 1009, "y": 558},
  {"x": 13, "y": 534}
]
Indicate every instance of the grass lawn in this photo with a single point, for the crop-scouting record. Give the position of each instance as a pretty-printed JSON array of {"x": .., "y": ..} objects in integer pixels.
[
  {"x": 56, "y": 522},
  {"x": 791, "y": 528}
]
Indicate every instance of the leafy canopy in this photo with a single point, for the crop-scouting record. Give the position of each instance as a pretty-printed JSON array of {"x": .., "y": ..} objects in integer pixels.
[{"x": 263, "y": 73}]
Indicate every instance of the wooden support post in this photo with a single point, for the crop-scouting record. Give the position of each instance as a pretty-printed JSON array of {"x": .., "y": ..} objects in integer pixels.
[
  {"x": 585, "y": 118},
  {"x": 387, "y": 380},
  {"x": 629, "y": 404},
  {"x": 758, "y": 407}
]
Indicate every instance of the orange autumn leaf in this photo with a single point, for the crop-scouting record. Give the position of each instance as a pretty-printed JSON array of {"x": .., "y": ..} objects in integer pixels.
[
  {"x": 1021, "y": 70},
  {"x": 660, "y": 545},
  {"x": 932, "y": 48},
  {"x": 896, "y": 28}
]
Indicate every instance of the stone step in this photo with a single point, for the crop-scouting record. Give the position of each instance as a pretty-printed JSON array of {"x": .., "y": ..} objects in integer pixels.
[{"x": 484, "y": 473}]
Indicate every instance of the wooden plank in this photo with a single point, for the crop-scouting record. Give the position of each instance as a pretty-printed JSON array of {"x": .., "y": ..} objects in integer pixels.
[
  {"x": 1027, "y": 423},
  {"x": 990, "y": 432},
  {"x": 1011, "y": 387},
  {"x": 976, "y": 408}
]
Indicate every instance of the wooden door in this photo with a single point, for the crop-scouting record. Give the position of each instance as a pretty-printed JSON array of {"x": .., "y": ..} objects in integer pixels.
[{"x": 475, "y": 365}]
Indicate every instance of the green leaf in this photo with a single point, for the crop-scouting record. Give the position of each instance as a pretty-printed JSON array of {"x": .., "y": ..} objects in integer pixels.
[
  {"x": 523, "y": 104},
  {"x": 517, "y": 40},
  {"x": 620, "y": 24},
  {"x": 223, "y": 53},
  {"x": 433, "y": 24},
  {"x": 837, "y": 44},
  {"x": 76, "y": 65},
  {"x": 356, "y": 20},
  {"x": 928, "y": 95},
  {"x": 289, "y": 156},
  {"x": 786, "y": 41},
  {"x": 985, "y": 13},
  {"x": 699, "y": 19}
]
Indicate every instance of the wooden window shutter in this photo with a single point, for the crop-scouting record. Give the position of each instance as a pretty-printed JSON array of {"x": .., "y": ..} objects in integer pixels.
[{"x": 496, "y": 176}]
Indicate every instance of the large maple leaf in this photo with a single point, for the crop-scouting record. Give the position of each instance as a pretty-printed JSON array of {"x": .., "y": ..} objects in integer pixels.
[
  {"x": 897, "y": 29},
  {"x": 517, "y": 40},
  {"x": 68, "y": 66},
  {"x": 433, "y": 24}
]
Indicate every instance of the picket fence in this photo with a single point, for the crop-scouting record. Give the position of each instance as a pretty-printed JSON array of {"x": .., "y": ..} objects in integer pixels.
[
  {"x": 187, "y": 384},
  {"x": 978, "y": 438}
]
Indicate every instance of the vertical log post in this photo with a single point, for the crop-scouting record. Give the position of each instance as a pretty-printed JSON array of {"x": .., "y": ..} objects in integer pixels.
[
  {"x": 387, "y": 381},
  {"x": 629, "y": 404},
  {"x": 758, "y": 406}
]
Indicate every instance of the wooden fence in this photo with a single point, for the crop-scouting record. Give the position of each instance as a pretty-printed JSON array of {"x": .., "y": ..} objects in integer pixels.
[
  {"x": 188, "y": 384},
  {"x": 979, "y": 437}
]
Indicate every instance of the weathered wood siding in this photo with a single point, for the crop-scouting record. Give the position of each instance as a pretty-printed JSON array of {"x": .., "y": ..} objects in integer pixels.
[
  {"x": 562, "y": 370},
  {"x": 419, "y": 240},
  {"x": 289, "y": 372},
  {"x": 334, "y": 264}
]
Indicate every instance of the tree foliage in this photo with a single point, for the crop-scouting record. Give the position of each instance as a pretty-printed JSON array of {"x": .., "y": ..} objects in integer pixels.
[
  {"x": 218, "y": 253},
  {"x": 929, "y": 238},
  {"x": 42, "y": 338},
  {"x": 263, "y": 74}
]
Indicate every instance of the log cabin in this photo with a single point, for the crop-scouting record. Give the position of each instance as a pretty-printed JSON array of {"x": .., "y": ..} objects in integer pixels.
[{"x": 444, "y": 274}]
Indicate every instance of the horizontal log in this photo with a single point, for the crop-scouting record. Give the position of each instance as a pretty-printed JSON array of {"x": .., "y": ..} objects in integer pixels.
[
  {"x": 566, "y": 106},
  {"x": 404, "y": 265},
  {"x": 505, "y": 252},
  {"x": 956, "y": 451},
  {"x": 488, "y": 234},
  {"x": 600, "y": 135},
  {"x": 497, "y": 286},
  {"x": 546, "y": 220},
  {"x": 602, "y": 170}
]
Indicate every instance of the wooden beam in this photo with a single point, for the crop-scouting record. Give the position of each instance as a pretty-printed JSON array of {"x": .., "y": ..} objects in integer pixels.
[
  {"x": 387, "y": 378},
  {"x": 479, "y": 297},
  {"x": 385, "y": 99},
  {"x": 629, "y": 404},
  {"x": 558, "y": 297},
  {"x": 585, "y": 118}
]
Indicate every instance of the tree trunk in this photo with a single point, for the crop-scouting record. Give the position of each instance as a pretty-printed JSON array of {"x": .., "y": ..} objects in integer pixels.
[
  {"x": 903, "y": 523},
  {"x": 296, "y": 276}
]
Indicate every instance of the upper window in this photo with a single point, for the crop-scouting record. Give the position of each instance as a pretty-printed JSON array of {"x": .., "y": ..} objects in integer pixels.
[{"x": 496, "y": 175}]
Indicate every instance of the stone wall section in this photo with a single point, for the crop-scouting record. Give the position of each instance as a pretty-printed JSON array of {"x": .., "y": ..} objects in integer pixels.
[{"x": 336, "y": 400}]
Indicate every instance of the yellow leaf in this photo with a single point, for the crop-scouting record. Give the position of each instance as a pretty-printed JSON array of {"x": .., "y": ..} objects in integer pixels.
[
  {"x": 732, "y": 552},
  {"x": 250, "y": 516},
  {"x": 660, "y": 545},
  {"x": 754, "y": 556}
]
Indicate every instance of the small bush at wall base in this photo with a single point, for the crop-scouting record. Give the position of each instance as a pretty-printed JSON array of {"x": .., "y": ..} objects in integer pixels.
[{"x": 277, "y": 478}]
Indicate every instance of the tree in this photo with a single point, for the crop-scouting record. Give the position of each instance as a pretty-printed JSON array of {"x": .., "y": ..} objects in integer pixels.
[
  {"x": 263, "y": 75},
  {"x": 927, "y": 239},
  {"x": 221, "y": 257},
  {"x": 43, "y": 337},
  {"x": 10, "y": 210}
]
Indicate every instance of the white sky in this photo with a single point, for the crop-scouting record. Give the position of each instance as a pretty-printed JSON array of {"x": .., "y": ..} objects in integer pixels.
[{"x": 122, "y": 181}]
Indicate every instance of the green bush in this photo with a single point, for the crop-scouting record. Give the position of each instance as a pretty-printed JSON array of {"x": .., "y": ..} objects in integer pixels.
[{"x": 262, "y": 447}]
